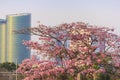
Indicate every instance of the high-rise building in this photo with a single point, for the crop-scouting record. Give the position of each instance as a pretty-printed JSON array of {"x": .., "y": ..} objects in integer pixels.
[
  {"x": 2, "y": 40},
  {"x": 15, "y": 48},
  {"x": 12, "y": 42}
]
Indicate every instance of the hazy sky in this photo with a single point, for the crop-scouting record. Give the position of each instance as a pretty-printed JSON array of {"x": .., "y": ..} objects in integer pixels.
[{"x": 54, "y": 12}]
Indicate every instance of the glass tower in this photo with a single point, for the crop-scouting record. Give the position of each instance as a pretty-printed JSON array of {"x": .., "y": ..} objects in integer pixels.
[
  {"x": 15, "y": 49},
  {"x": 2, "y": 40}
]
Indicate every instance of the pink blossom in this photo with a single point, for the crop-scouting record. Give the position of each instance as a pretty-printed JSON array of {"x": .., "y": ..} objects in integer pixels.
[
  {"x": 99, "y": 60},
  {"x": 80, "y": 55}
]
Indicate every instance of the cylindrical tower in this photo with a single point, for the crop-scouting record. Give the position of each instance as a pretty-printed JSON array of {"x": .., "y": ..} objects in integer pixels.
[
  {"x": 2, "y": 41},
  {"x": 15, "y": 49}
]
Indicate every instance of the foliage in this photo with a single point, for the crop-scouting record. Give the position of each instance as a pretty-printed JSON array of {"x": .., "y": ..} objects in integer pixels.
[
  {"x": 71, "y": 48},
  {"x": 8, "y": 66},
  {"x": 101, "y": 76}
]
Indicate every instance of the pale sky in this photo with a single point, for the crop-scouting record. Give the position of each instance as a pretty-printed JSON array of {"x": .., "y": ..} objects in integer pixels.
[{"x": 55, "y": 12}]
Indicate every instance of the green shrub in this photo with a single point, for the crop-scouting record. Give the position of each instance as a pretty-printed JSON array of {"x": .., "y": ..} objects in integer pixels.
[{"x": 101, "y": 76}]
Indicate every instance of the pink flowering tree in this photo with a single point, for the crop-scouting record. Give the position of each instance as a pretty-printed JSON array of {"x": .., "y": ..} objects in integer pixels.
[{"x": 71, "y": 48}]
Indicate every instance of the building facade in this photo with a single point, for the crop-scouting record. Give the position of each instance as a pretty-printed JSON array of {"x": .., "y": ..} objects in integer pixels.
[
  {"x": 2, "y": 40},
  {"x": 15, "y": 50}
]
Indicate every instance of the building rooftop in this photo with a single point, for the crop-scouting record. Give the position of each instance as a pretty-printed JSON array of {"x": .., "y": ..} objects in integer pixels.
[{"x": 19, "y": 14}]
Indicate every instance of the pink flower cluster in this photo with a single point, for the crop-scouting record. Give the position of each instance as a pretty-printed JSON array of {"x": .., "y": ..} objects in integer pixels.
[{"x": 88, "y": 51}]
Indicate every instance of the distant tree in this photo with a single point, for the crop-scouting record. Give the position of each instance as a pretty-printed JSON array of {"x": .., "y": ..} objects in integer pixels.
[
  {"x": 9, "y": 66},
  {"x": 91, "y": 50},
  {"x": 3, "y": 70}
]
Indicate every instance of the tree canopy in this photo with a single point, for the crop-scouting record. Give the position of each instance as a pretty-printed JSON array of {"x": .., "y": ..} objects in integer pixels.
[
  {"x": 71, "y": 48},
  {"x": 7, "y": 66}
]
